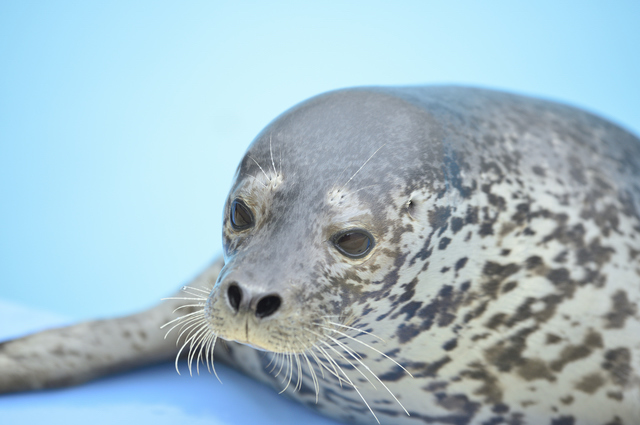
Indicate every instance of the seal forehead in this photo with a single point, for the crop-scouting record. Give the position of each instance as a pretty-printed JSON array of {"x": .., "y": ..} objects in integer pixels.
[{"x": 323, "y": 141}]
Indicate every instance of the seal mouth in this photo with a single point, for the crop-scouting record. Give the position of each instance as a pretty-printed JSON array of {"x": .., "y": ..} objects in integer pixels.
[
  {"x": 325, "y": 352},
  {"x": 249, "y": 344}
]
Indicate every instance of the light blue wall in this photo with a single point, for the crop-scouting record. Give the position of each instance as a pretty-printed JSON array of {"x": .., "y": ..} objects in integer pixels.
[{"x": 121, "y": 123}]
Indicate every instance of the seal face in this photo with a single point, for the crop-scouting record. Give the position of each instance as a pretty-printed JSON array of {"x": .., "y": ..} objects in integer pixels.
[{"x": 437, "y": 255}]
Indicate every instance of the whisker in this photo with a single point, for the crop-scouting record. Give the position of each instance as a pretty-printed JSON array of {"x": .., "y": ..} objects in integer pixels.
[
  {"x": 271, "y": 153},
  {"x": 203, "y": 347},
  {"x": 351, "y": 353},
  {"x": 299, "y": 373},
  {"x": 333, "y": 364},
  {"x": 372, "y": 348},
  {"x": 210, "y": 350},
  {"x": 313, "y": 355},
  {"x": 188, "y": 339},
  {"x": 254, "y": 177},
  {"x": 187, "y": 306},
  {"x": 314, "y": 378},
  {"x": 355, "y": 367},
  {"x": 271, "y": 360},
  {"x": 181, "y": 318},
  {"x": 356, "y": 329},
  {"x": 195, "y": 288},
  {"x": 182, "y": 321},
  {"x": 184, "y": 299},
  {"x": 199, "y": 334},
  {"x": 192, "y": 324},
  {"x": 282, "y": 356},
  {"x": 193, "y": 293},
  {"x": 362, "y": 166},
  {"x": 186, "y": 324},
  {"x": 280, "y": 158},
  {"x": 265, "y": 174},
  {"x": 362, "y": 188},
  {"x": 290, "y": 375},
  {"x": 353, "y": 385}
]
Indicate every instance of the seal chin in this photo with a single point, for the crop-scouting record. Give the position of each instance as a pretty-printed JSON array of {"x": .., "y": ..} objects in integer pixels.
[{"x": 249, "y": 344}]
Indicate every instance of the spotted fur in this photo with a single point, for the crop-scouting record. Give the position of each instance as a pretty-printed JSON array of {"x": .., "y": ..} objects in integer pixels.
[{"x": 504, "y": 282}]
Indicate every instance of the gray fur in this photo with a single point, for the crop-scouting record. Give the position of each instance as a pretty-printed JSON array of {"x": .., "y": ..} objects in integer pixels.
[{"x": 505, "y": 275}]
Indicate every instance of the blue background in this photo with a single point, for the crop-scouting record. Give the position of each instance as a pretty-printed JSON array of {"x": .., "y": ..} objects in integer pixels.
[{"x": 121, "y": 123}]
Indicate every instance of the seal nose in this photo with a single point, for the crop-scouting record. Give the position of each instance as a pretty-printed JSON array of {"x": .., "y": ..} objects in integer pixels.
[{"x": 262, "y": 306}]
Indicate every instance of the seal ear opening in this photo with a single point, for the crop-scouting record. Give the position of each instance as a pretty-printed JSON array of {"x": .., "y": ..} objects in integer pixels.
[{"x": 411, "y": 207}]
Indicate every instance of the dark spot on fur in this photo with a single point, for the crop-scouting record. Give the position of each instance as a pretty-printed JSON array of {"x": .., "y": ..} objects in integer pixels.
[
  {"x": 486, "y": 229},
  {"x": 409, "y": 290},
  {"x": 409, "y": 309},
  {"x": 472, "y": 215},
  {"x": 567, "y": 400},
  {"x": 450, "y": 345},
  {"x": 533, "y": 262},
  {"x": 618, "y": 363},
  {"x": 594, "y": 253},
  {"x": 562, "y": 257},
  {"x": 439, "y": 216},
  {"x": 615, "y": 421},
  {"x": 460, "y": 263},
  {"x": 427, "y": 370},
  {"x": 442, "y": 309},
  {"x": 496, "y": 320},
  {"x": 590, "y": 384},
  {"x": 490, "y": 388},
  {"x": 572, "y": 353},
  {"x": 458, "y": 403},
  {"x": 621, "y": 309},
  {"x": 615, "y": 395},
  {"x": 552, "y": 339},
  {"x": 509, "y": 286},
  {"x": 494, "y": 420},
  {"x": 444, "y": 242},
  {"x": 538, "y": 171},
  {"x": 558, "y": 276},
  {"x": 476, "y": 312},
  {"x": 496, "y": 273},
  {"x": 500, "y": 408},
  {"x": 564, "y": 420},
  {"x": 406, "y": 332},
  {"x": 532, "y": 369},
  {"x": 456, "y": 224},
  {"x": 507, "y": 353}
]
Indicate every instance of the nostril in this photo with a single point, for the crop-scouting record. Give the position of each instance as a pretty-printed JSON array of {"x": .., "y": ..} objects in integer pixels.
[
  {"x": 234, "y": 294},
  {"x": 268, "y": 305}
]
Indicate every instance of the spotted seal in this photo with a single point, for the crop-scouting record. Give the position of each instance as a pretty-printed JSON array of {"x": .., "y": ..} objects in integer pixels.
[{"x": 437, "y": 255}]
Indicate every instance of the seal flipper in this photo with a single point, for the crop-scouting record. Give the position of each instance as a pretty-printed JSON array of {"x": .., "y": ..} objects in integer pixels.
[{"x": 78, "y": 353}]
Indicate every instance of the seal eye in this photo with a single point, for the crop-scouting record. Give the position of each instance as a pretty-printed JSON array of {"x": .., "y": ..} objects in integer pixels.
[
  {"x": 354, "y": 243},
  {"x": 240, "y": 215}
]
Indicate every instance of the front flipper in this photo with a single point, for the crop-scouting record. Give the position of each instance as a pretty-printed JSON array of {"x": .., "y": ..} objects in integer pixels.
[{"x": 75, "y": 354}]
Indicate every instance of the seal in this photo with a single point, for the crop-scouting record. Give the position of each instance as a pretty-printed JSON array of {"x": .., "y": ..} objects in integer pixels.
[{"x": 408, "y": 255}]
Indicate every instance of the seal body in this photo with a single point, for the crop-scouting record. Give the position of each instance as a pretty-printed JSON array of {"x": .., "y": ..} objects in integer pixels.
[
  {"x": 505, "y": 274},
  {"x": 433, "y": 255}
]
